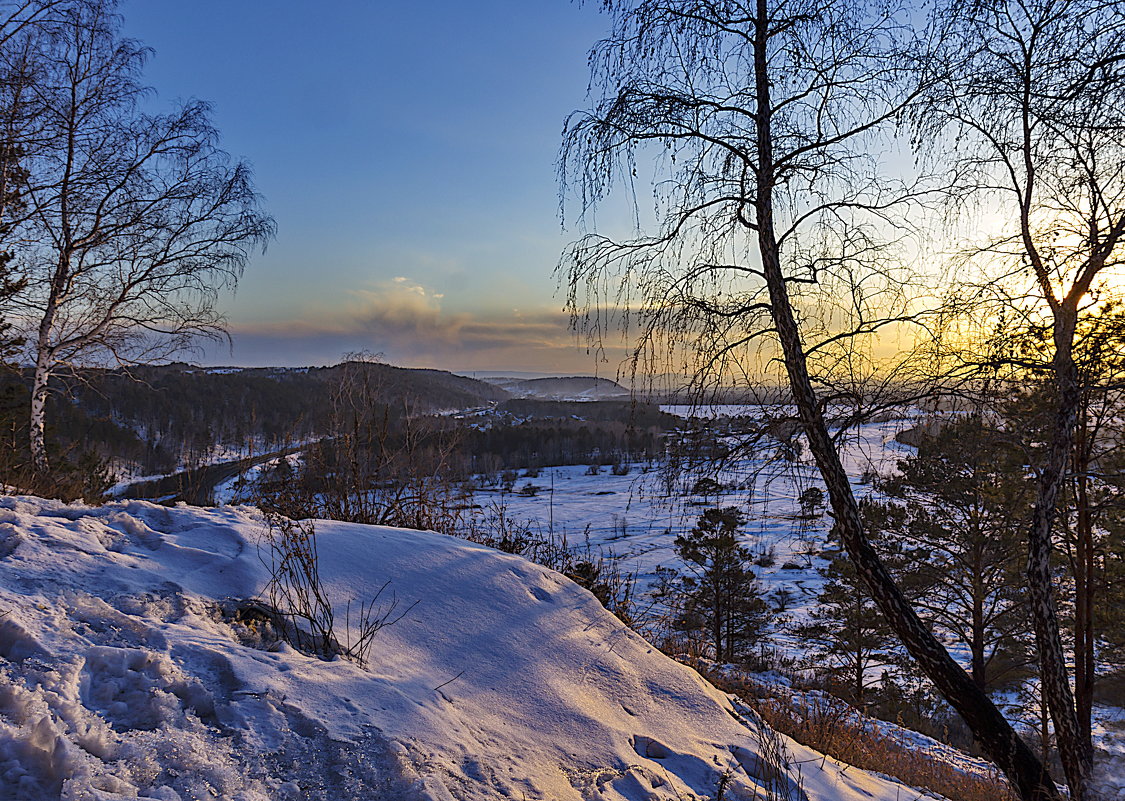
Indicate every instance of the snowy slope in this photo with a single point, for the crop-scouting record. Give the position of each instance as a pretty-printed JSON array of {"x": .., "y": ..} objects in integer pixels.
[
  {"x": 569, "y": 388},
  {"x": 119, "y": 678}
]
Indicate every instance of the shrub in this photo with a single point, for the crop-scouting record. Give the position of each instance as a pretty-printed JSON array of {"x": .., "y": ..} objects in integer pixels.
[
  {"x": 707, "y": 486},
  {"x": 600, "y": 574},
  {"x": 298, "y": 605},
  {"x": 767, "y": 557},
  {"x": 811, "y": 502}
]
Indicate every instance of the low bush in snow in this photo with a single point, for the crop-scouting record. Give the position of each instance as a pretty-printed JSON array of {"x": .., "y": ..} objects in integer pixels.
[{"x": 297, "y": 604}]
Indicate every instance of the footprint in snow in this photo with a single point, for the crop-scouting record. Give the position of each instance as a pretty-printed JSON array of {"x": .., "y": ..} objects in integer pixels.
[
  {"x": 540, "y": 594},
  {"x": 135, "y": 688},
  {"x": 137, "y": 530},
  {"x": 9, "y": 539},
  {"x": 17, "y": 643},
  {"x": 650, "y": 748}
]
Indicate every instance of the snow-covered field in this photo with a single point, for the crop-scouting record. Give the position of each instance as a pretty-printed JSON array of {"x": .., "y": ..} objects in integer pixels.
[
  {"x": 120, "y": 679},
  {"x": 638, "y": 516}
]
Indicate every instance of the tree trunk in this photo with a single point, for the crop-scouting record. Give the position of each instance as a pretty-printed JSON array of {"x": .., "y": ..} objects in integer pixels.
[
  {"x": 1083, "y": 584},
  {"x": 38, "y": 416},
  {"x": 996, "y": 736},
  {"x": 860, "y": 652},
  {"x": 1076, "y": 758},
  {"x": 1044, "y": 725},
  {"x": 44, "y": 366},
  {"x": 977, "y": 646},
  {"x": 717, "y": 626}
]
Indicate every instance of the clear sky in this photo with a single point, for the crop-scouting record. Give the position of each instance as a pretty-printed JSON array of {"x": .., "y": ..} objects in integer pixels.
[{"x": 406, "y": 150}]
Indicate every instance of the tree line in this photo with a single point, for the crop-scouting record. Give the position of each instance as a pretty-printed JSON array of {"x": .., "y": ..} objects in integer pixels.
[
  {"x": 381, "y": 462},
  {"x": 153, "y": 419}
]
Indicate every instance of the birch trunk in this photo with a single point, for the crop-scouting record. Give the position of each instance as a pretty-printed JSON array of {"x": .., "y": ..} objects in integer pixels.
[
  {"x": 1076, "y": 758},
  {"x": 996, "y": 736},
  {"x": 44, "y": 366},
  {"x": 38, "y": 415}
]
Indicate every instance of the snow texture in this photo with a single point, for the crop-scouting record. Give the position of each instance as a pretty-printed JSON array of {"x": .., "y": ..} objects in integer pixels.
[{"x": 120, "y": 678}]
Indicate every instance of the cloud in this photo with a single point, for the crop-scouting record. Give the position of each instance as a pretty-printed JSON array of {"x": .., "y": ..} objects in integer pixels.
[
  {"x": 406, "y": 322},
  {"x": 401, "y": 311}
]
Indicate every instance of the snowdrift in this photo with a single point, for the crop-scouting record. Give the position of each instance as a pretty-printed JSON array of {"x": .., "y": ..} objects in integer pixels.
[{"x": 120, "y": 677}]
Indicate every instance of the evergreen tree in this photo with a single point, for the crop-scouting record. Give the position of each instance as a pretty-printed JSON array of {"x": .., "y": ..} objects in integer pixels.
[
  {"x": 1109, "y": 613},
  {"x": 1091, "y": 507},
  {"x": 851, "y": 642},
  {"x": 956, "y": 517},
  {"x": 12, "y": 204},
  {"x": 720, "y": 594}
]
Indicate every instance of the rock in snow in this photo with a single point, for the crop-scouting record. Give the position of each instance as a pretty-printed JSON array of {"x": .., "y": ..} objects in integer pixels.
[{"x": 121, "y": 679}]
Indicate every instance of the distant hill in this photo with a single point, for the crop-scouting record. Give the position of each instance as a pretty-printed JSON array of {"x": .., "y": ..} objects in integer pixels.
[
  {"x": 158, "y": 416},
  {"x": 228, "y": 400},
  {"x": 571, "y": 388},
  {"x": 425, "y": 390}
]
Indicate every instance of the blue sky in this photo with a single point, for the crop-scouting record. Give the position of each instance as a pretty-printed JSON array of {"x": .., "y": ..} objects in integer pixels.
[{"x": 407, "y": 151}]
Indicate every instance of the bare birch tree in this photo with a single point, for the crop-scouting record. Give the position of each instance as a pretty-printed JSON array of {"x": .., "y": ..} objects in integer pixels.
[
  {"x": 135, "y": 220},
  {"x": 1036, "y": 112},
  {"x": 16, "y": 16},
  {"x": 771, "y": 208},
  {"x": 15, "y": 20}
]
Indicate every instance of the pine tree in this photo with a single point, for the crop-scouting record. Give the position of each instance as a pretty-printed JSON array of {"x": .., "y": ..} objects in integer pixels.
[
  {"x": 850, "y": 641},
  {"x": 1092, "y": 500},
  {"x": 11, "y": 204},
  {"x": 1109, "y": 613},
  {"x": 720, "y": 594},
  {"x": 957, "y": 512}
]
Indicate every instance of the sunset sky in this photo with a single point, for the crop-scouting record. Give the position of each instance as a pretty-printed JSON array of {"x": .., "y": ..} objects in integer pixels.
[{"x": 407, "y": 151}]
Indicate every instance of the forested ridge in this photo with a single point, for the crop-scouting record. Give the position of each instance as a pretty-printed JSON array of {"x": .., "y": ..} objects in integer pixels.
[{"x": 157, "y": 418}]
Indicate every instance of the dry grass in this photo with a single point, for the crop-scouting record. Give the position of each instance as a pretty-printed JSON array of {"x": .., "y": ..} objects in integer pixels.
[{"x": 833, "y": 728}]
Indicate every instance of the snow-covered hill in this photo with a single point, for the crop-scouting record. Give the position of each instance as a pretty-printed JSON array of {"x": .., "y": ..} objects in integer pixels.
[
  {"x": 120, "y": 679},
  {"x": 570, "y": 388}
]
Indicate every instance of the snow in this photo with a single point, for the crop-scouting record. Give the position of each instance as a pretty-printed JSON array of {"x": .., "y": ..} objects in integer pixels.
[
  {"x": 802, "y": 701},
  {"x": 636, "y": 517},
  {"x": 121, "y": 678},
  {"x": 1109, "y": 739}
]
